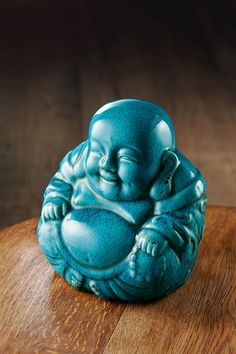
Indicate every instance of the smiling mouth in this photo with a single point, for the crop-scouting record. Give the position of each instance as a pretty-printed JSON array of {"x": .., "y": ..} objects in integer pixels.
[{"x": 109, "y": 177}]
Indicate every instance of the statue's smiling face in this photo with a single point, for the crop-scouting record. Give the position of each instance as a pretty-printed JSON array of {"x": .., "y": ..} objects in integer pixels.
[{"x": 121, "y": 160}]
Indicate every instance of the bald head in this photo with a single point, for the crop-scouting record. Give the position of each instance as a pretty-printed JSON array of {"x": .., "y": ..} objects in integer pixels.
[{"x": 138, "y": 118}]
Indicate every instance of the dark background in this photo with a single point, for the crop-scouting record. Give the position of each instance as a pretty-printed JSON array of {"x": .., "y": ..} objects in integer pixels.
[{"x": 60, "y": 61}]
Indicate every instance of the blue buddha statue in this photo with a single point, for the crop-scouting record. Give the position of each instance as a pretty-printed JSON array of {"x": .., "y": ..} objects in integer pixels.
[{"x": 124, "y": 214}]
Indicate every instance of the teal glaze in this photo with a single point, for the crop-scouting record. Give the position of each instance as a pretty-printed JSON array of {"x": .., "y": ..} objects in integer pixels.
[{"x": 124, "y": 214}]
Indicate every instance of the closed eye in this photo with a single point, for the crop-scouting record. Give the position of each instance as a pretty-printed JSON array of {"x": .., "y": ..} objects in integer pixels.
[
  {"x": 96, "y": 152},
  {"x": 128, "y": 158}
]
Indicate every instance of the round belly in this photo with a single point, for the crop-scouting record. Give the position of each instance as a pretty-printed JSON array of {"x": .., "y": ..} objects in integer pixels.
[{"x": 97, "y": 238}]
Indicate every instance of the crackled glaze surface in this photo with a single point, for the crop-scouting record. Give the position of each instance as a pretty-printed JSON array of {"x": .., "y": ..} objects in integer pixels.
[{"x": 124, "y": 214}]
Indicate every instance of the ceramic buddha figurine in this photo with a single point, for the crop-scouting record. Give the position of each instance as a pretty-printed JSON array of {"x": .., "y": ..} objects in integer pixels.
[{"x": 124, "y": 214}]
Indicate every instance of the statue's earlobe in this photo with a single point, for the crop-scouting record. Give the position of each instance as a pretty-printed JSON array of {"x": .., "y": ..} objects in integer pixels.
[{"x": 161, "y": 188}]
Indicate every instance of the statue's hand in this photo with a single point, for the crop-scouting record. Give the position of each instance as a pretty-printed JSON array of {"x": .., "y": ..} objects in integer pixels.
[
  {"x": 151, "y": 242},
  {"x": 55, "y": 209}
]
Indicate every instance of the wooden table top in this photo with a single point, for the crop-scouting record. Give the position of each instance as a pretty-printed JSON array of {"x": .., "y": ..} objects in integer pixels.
[{"x": 41, "y": 313}]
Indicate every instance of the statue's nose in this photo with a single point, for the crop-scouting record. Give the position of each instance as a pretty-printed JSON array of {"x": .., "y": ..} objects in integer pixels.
[{"x": 107, "y": 163}]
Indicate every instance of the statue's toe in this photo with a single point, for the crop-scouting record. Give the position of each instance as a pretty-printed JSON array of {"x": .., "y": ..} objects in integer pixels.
[{"x": 74, "y": 278}]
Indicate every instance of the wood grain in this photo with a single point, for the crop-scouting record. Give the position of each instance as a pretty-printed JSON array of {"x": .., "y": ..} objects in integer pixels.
[
  {"x": 41, "y": 313},
  {"x": 198, "y": 318}
]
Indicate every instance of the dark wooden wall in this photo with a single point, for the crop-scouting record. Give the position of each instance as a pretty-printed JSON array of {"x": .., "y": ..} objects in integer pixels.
[{"x": 60, "y": 61}]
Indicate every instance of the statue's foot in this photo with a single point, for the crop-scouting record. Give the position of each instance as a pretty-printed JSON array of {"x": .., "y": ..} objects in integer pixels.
[
  {"x": 94, "y": 288},
  {"x": 74, "y": 278}
]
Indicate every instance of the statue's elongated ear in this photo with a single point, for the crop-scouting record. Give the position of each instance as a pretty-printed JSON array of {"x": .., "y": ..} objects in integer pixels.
[{"x": 162, "y": 186}]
